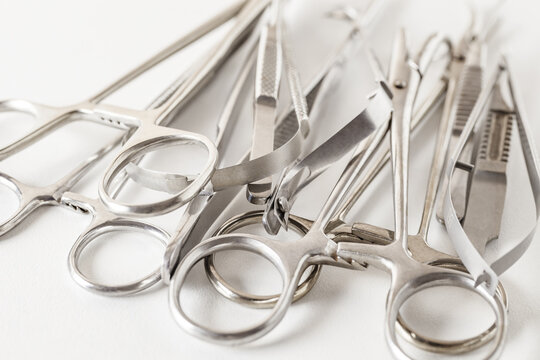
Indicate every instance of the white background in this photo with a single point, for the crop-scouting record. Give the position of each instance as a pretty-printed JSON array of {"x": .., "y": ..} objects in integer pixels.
[{"x": 60, "y": 52}]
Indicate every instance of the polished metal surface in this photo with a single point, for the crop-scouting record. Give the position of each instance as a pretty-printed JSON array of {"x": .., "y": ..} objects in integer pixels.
[
  {"x": 186, "y": 234},
  {"x": 467, "y": 70},
  {"x": 173, "y": 244},
  {"x": 409, "y": 274},
  {"x": 267, "y": 85},
  {"x": 467, "y": 180},
  {"x": 32, "y": 197},
  {"x": 486, "y": 272},
  {"x": 151, "y": 134},
  {"x": 487, "y": 191}
]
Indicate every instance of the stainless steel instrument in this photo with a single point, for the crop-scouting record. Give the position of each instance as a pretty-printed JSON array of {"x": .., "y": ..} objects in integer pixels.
[
  {"x": 410, "y": 274},
  {"x": 487, "y": 189},
  {"x": 466, "y": 187},
  {"x": 470, "y": 245}
]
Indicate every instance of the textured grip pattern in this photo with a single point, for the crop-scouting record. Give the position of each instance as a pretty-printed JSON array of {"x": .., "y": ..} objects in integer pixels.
[
  {"x": 269, "y": 62},
  {"x": 288, "y": 127},
  {"x": 495, "y": 142},
  {"x": 295, "y": 86},
  {"x": 468, "y": 90}
]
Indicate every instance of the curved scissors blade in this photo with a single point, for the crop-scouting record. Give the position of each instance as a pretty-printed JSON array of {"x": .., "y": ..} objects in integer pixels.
[{"x": 346, "y": 139}]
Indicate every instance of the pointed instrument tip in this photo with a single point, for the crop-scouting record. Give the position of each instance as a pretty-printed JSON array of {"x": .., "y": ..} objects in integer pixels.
[
  {"x": 276, "y": 216},
  {"x": 400, "y": 44},
  {"x": 375, "y": 65}
]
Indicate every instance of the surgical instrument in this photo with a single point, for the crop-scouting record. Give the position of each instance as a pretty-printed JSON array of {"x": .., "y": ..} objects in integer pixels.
[
  {"x": 315, "y": 246},
  {"x": 486, "y": 274},
  {"x": 487, "y": 189}
]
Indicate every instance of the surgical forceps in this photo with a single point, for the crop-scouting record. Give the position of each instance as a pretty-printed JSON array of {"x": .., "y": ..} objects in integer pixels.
[
  {"x": 267, "y": 86},
  {"x": 266, "y": 91},
  {"x": 184, "y": 188},
  {"x": 151, "y": 131},
  {"x": 486, "y": 274},
  {"x": 487, "y": 189},
  {"x": 109, "y": 222},
  {"x": 200, "y": 205},
  {"x": 316, "y": 248},
  {"x": 53, "y": 117},
  {"x": 32, "y": 197},
  {"x": 337, "y": 226},
  {"x": 332, "y": 149},
  {"x": 467, "y": 69},
  {"x": 104, "y": 221}
]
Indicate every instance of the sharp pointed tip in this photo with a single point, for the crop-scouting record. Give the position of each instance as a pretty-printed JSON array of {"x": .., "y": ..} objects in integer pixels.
[{"x": 400, "y": 41}]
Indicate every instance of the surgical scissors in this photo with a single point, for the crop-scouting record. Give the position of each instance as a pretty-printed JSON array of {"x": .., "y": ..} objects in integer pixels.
[
  {"x": 152, "y": 136},
  {"x": 285, "y": 126},
  {"x": 32, "y": 197},
  {"x": 105, "y": 221},
  {"x": 53, "y": 117},
  {"x": 339, "y": 144},
  {"x": 261, "y": 167},
  {"x": 337, "y": 225},
  {"x": 58, "y": 193},
  {"x": 103, "y": 224},
  {"x": 408, "y": 275},
  {"x": 150, "y": 123}
]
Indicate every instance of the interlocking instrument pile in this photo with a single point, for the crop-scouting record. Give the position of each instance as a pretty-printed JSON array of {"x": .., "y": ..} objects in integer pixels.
[{"x": 466, "y": 189}]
